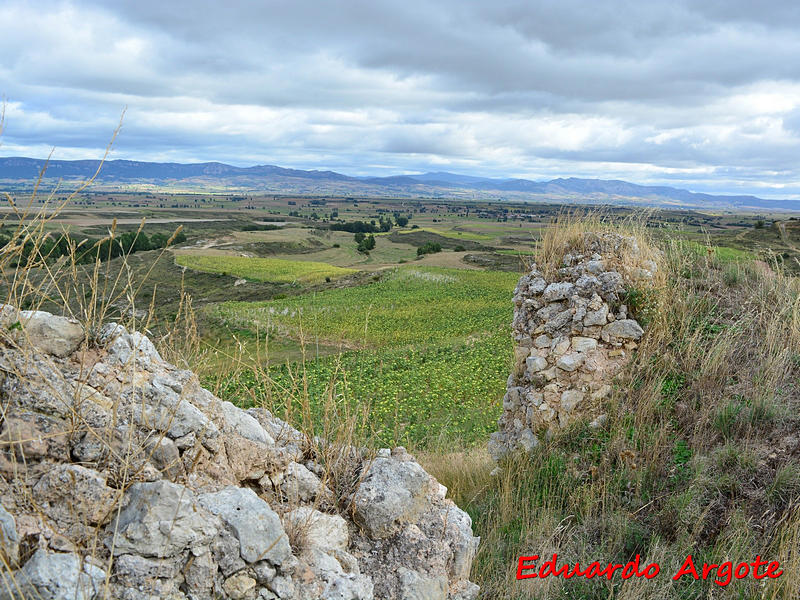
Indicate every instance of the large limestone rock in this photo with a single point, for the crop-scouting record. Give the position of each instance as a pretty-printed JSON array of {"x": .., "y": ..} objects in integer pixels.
[
  {"x": 160, "y": 520},
  {"x": 254, "y": 523},
  {"x": 115, "y": 454},
  {"x": 53, "y": 334},
  {"x": 432, "y": 546},
  {"x": 573, "y": 334},
  {"x": 55, "y": 576},
  {"x": 392, "y": 492}
]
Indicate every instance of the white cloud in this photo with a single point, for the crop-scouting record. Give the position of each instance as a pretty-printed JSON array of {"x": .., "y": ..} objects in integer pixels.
[{"x": 705, "y": 95}]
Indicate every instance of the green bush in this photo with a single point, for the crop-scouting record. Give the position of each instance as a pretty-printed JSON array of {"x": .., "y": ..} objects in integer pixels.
[{"x": 429, "y": 248}]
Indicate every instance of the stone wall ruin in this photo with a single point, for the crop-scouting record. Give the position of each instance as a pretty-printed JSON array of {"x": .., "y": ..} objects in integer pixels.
[
  {"x": 572, "y": 334},
  {"x": 122, "y": 477}
]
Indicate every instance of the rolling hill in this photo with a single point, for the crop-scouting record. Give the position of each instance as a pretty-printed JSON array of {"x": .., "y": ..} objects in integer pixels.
[{"x": 133, "y": 175}]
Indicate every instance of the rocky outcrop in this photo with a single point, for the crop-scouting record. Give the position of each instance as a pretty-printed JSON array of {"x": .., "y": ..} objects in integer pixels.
[
  {"x": 122, "y": 477},
  {"x": 572, "y": 334}
]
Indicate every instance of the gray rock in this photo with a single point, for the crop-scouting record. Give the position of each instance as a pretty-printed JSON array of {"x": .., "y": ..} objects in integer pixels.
[
  {"x": 254, "y": 523},
  {"x": 557, "y": 291},
  {"x": 596, "y": 317},
  {"x": 88, "y": 449},
  {"x": 55, "y": 577},
  {"x": 123, "y": 346},
  {"x": 416, "y": 586},
  {"x": 240, "y": 587},
  {"x": 570, "y": 399},
  {"x": 527, "y": 441},
  {"x": 536, "y": 364},
  {"x": 199, "y": 576},
  {"x": 464, "y": 590},
  {"x": 326, "y": 532},
  {"x": 392, "y": 492},
  {"x": 245, "y": 425},
  {"x": 595, "y": 266},
  {"x": 301, "y": 485},
  {"x": 570, "y": 362},
  {"x": 284, "y": 434},
  {"x": 348, "y": 587},
  {"x": 160, "y": 520},
  {"x": 610, "y": 283},
  {"x": 74, "y": 495},
  {"x": 263, "y": 571},
  {"x": 175, "y": 416},
  {"x": 147, "y": 577},
  {"x": 587, "y": 285},
  {"x": 32, "y": 436},
  {"x": 626, "y": 329},
  {"x": 583, "y": 344},
  {"x": 283, "y": 587},
  {"x": 164, "y": 455},
  {"x": 56, "y": 335},
  {"x": 558, "y": 321},
  {"x": 225, "y": 549},
  {"x": 548, "y": 312},
  {"x": 9, "y": 539}
]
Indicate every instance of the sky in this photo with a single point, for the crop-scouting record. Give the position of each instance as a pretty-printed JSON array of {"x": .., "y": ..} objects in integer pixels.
[{"x": 703, "y": 95}]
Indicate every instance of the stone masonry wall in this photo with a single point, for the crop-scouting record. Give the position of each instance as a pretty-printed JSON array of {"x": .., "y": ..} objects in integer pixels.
[
  {"x": 572, "y": 334},
  {"x": 122, "y": 477}
]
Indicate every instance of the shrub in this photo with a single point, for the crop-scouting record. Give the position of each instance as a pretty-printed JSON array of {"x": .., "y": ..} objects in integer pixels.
[
  {"x": 366, "y": 244},
  {"x": 429, "y": 248}
]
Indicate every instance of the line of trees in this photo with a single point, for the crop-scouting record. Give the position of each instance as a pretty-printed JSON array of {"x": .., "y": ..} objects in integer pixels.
[
  {"x": 88, "y": 249},
  {"x": 363, "y": 226}
]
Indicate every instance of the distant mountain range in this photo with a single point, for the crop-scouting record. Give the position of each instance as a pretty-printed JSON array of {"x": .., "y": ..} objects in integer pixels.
[{"x": 211, "y": 177}]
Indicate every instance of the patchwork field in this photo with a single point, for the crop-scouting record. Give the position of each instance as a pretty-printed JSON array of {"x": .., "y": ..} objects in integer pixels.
[
  {"x": 263, "y": 269},
  {"x": 407, "y": 342}
]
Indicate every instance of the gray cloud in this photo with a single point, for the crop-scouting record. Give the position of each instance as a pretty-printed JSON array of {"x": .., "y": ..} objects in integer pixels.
[{"x": 705, "y": 95}]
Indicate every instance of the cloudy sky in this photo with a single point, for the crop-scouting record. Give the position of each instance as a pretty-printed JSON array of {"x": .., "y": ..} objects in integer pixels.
[{"x": 703, "y": 95}]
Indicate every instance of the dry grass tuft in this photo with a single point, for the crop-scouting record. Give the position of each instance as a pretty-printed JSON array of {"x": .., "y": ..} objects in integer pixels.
[{"x": 699, "y": 454}]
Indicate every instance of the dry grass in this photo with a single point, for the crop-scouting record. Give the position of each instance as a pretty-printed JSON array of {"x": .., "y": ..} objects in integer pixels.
[
  {"x": 699, "y": 454},
  {"x": 94, "y": 294}
]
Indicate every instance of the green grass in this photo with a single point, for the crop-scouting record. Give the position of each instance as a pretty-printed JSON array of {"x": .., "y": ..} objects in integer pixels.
[
  {"x": 509, "y": 252},
  {"x": 263, "y": 269},
  {"x": 410, "y": 305},
  {"x": 451, "y": 233},
  {"x": 723, "y": 254},
  {"x": 432, "y": 358},
  {"x": 437, "y": 395}
]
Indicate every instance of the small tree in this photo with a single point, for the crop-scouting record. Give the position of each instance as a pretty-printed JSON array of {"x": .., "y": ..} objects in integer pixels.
[
  {"x": 429, "y": 248},
  {"x": 366, "y": 244}
]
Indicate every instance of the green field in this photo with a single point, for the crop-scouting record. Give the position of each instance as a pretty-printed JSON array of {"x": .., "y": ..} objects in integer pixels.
[
  {"x": 445, "y": 395},
  {"x": 451, "y": 233},
  {"x": 263, "y": 269},
  {"x": 432, "y": 351},
  {"x": 409, "y": 305}
]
